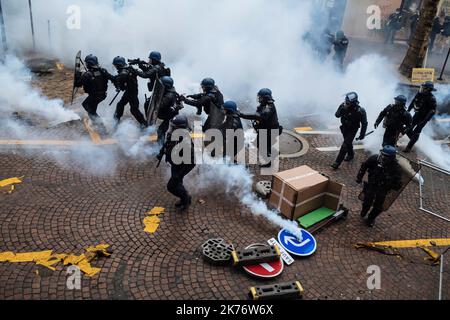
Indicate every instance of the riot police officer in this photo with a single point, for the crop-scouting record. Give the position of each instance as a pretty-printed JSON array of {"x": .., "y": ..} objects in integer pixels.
[
  {"x": 232, "y": 122},
  {"x": 126, "y": 80},
  {"x": 393, "y": 25},
  {"x": 168, "y": 109},
  {"x": 384, "y": 175},
  {"x": 95, "y": 83},
  {"x": 396, "y": 121},
  {"x": 180, "y": 167},
  {"x": 340, "y": 49},
  {"x": 325, "y": 43},
  {"x": 353, "y": 117},
  {"x": 265, "y": 118},
  {"x": 154, "y": 69},
  {"x": 211, "y": 101},
  {"x": 424, "y": 104}
]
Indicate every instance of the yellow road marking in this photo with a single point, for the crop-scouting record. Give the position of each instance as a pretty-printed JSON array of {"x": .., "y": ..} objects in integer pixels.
[
  {"x": 413, "y": 243},
  {"x": 39, "y": 142},
  {"x": 95, "y": 137},
  {"x": 302, "y": 129}
]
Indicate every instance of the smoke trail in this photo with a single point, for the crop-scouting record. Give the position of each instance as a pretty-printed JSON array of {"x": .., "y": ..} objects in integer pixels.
[
  {"x": 238, "y": 181},
  {"x": 17, "y": 95}
]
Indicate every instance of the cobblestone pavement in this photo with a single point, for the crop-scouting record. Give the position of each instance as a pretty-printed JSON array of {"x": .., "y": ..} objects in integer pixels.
[{"x": 64, "y": 209}]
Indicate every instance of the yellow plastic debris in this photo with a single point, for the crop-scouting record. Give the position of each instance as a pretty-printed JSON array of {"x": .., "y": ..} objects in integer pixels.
[
  {"x": 156, "y": 211},
  {"x": 49, "y": 260},
  {"x": 8, "y": 182},
  {"x": 31, "y": 256},
  {"x": 151, "y": 224},
  {"x": 8, "y": 185}
]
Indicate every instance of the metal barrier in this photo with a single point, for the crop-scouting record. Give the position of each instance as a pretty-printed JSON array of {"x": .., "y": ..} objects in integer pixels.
[
  {"x": 434, "y": 185},
  {"x": 443, "y": 275}
]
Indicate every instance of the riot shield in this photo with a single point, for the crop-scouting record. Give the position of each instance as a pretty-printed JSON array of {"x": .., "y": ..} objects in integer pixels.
[
  {"x": 76, "y": 71},
  {"x": 410, "y": 169},
  {"x": 155, "y": 103}
]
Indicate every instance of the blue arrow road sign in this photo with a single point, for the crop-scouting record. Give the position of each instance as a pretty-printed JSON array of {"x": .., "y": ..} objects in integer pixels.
[{"x": 303, "y": 248}]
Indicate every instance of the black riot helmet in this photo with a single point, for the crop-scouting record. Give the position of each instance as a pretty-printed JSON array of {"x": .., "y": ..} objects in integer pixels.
[
  {"x": 167, "y": 82},
  {"x": 119, "y": 62},
  {"x": 155, "y": 57},
  {"x": 400, "y": 101},
  {"x": 91, "y": 61},
  {"x": 427, "y": 87},
  {"x": 180, "y": 122},
  {"x": 351, "y": 98},
  {"x": 387, "y": 154},
  {"x": 208, "y": 84},
  {"x": 265, "y": 96}
]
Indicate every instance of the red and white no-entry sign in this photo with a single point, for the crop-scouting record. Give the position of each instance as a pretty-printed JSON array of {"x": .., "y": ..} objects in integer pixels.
[{"x": 265, "y": 270}]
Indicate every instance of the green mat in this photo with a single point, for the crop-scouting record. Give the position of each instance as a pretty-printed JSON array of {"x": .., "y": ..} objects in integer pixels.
[{"x": 315, "y": 217}]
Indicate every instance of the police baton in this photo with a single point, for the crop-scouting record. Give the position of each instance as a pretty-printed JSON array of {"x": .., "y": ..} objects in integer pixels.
[
  {"x": 115, "y": 97},
  {"x": 367, "y": 134}
]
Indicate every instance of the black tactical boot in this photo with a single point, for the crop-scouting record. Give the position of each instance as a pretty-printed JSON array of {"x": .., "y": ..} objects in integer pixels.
[
  {"x": 335, "y": 166},
  {"x": 370, "y": 222},
  {"x": 348, "y": 159},
  {"x": 185, "y": 204}
]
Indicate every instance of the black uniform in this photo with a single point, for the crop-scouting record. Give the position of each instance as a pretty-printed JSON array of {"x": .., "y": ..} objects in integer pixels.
[
  {"x": 352, "y": 117},
  {"x": 95, "y": 84},
  {"x": 168, "y": 109},
  {"x": 212, "y": 103},
  {"x": 265, "y": 118},
  {"x": 126, "y": 80},
  {"x": 231, "y": 122},
  {"x": 178, "y": 171},
  {"x": 435, "y": 30},
  {"x": 393, "y": 25},
  {"x": 152, "y": 72},
  {"x": 340, "y": 49},
  {"x": 383, "y": 177},
  {"x": 396, "y": 121},
  {"x": 424, "y": 105},
  {"x": 324, "y": 45}
]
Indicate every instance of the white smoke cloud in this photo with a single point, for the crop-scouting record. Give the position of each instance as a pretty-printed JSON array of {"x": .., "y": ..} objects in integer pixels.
[
  {"x": 236, "y": 180},
  {"x": 244, "y": 45},
  {"x": 17, "y": 95}
]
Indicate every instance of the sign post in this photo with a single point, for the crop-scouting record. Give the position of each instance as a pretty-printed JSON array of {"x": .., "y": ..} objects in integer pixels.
[{"x": 3, "y": 30}]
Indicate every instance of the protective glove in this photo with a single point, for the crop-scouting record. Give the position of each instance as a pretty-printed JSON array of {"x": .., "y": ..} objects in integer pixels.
[
  {"x": 361, "y": 137},
  {"x": 159, "y": 156},
  {"x": 376, "y": 125}
]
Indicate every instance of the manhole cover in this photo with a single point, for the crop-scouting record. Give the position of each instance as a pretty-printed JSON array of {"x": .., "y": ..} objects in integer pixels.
[{"x": 292, "y": 145}]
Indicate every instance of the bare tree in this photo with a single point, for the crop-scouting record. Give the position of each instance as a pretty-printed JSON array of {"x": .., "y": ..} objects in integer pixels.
[{"x": 419, "y": 45}]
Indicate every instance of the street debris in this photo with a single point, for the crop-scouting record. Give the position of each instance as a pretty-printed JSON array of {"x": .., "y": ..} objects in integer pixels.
[
  {"x": 264, "y": 188},
  {"x": 387, "y": 250},
  {"x": 217, "y": 251},
  {"x": 285, "y": 290},
  {"x": 48, "y": 259},
  {"x": 151, "y": 221},
  {"x": 255, "y": 255},
  {"x": 8, "y": 185}
]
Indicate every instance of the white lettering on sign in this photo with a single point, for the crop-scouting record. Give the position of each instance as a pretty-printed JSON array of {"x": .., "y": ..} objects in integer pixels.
[
  {"x": 268, "y": 267},
  {"x": 284, "y": 254}
]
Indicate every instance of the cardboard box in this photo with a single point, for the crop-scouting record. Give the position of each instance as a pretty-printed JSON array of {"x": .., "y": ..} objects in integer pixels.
[{"x": 299, "y": 191}]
